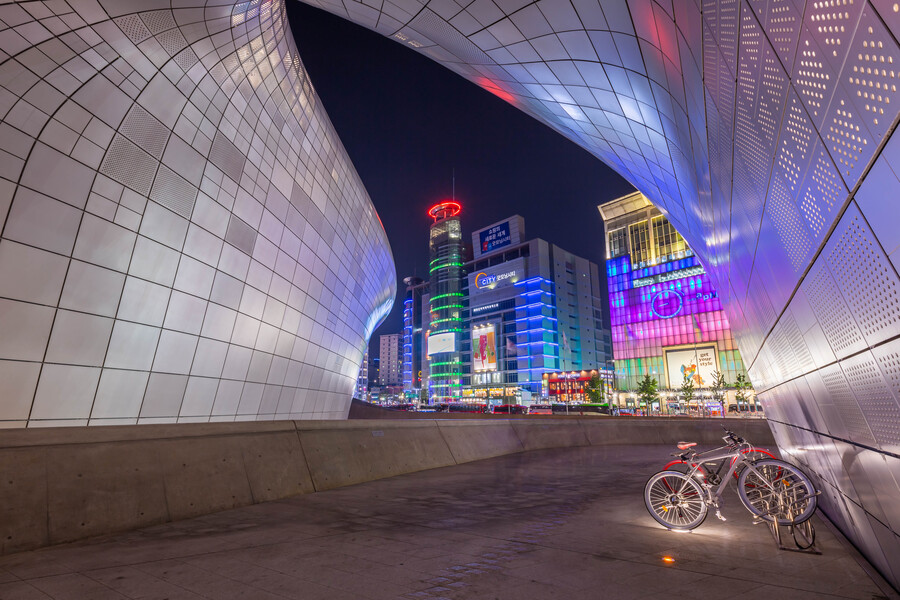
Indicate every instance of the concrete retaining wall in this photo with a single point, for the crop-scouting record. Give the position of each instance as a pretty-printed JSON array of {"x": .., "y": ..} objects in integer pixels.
[{"x": 65, "y": 484}]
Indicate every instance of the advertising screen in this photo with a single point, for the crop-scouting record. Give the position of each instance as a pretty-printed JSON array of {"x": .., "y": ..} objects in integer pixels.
[
  {"x": 495, "y": 237},
  {"x": 484, "y": 349},
  {"x": 698, "y": 364},
  {"x": 441, "y": 342}
]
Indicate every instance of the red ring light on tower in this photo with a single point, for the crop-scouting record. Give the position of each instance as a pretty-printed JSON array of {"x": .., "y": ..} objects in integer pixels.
[{"x": 444, "y": 210}]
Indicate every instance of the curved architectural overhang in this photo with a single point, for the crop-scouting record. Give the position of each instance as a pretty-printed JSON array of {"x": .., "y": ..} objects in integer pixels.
[{"x": 184, "y": 237}]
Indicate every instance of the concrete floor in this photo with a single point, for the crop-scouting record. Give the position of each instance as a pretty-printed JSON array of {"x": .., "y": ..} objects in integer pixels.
[{"x": 566, "y": 523}]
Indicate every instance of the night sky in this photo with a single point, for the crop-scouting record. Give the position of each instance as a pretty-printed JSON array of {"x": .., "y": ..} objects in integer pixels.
[{"x": 408, "y": 123}]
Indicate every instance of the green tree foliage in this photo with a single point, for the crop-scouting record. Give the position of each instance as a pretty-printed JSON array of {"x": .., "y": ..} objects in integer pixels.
[
  {"x": 718, "y": 385},
  {"x": 594, "y": 389},
  {"x": 687, "y": 390},
  {"x": 742, "y": 386},
  {"x": 648, "y": 390}
]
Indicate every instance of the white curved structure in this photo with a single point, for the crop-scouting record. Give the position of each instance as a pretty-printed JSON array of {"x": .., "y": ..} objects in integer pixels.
[
  {"x": 762, "y": 128},
  {"x": 183, "y": 236}
]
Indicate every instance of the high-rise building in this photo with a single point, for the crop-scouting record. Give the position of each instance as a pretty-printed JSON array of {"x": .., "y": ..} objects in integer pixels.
[
  {"x": 445, "y": 269},
  {"x": 362, "y": 380},
  {"x": 667, "y": 319},
  {"x": 389, "y": 367},
  {"x": 412, "y": 348},
  {"x": 531, "y": 308}
]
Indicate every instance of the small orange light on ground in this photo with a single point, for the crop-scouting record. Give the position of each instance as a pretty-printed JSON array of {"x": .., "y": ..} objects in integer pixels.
[{"x": 668, "y": 559}]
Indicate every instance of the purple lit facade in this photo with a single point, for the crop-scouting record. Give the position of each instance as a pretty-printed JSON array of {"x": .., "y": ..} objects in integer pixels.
[{"x": 660, "y": 297}]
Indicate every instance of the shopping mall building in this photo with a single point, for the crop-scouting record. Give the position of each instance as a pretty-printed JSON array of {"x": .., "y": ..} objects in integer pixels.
[{"x": 667, "y": 320}]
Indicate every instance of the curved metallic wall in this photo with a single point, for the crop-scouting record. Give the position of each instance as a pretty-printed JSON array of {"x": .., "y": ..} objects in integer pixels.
[
  {"x": 183, "y": 235},
  {"x": 762, "y": 128}
]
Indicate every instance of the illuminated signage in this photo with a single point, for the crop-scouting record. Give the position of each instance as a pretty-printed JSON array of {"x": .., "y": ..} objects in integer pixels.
[
  {"x": 495, "y": 237},
  {"x": 498, "y": 276},
  {"x": 484, "y": 349},
  {"x": 483, "y": 280},
  {"x": 662, "y": 277},
  {"x": 441, "y": 342},
  {"x": 694, "y": 364},
  {"x": 667, "y": 304},
  {"x": 492, "y": 306}
]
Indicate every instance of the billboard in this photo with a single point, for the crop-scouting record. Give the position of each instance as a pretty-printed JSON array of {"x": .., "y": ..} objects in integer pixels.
[
  {"x": 698, "y": 364},
  {"x": 441, "y": 342},
  {"x": 484, "y": 349},
  {"x": 495, "y": 237}
]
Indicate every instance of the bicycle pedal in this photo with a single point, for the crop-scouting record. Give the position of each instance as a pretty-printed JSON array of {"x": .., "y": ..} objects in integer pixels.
[{"x": 719, "y": 515}]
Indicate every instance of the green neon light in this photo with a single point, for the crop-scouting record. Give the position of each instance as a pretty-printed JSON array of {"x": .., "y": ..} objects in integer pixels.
[{"x": 433, "y": 298}]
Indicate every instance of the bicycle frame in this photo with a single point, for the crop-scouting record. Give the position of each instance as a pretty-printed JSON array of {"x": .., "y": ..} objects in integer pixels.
[{"x": 714, "y": 491}]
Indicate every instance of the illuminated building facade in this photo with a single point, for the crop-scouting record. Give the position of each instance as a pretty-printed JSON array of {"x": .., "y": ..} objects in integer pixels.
[
  {"x": 666, "y": 317},
  {"x": 445, "y": 306},
  {"x": 531, "y": 308},
  {"x": 413, "y": 349}
]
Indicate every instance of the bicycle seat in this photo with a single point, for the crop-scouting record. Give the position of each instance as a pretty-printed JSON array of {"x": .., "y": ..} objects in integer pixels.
[{"x": 686, "y": 445}]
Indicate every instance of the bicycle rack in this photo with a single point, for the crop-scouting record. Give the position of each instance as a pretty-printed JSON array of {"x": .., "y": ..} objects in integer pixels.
[{"x": 803, "y": 534}]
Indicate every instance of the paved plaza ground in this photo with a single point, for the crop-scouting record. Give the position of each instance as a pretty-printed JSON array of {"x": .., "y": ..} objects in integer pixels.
[{"x": 554, "y": 524}]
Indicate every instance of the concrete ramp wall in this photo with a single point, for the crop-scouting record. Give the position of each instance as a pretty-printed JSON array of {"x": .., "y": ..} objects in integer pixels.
[{"x": 64, "y": 484}]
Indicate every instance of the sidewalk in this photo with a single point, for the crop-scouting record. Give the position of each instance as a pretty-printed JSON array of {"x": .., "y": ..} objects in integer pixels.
[{"x": 566, "y": 523}]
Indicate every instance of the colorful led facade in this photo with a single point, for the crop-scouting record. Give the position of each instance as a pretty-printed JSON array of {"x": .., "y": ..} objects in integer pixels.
[
  {"x": 445, "y": 302},
  {"x": 661, "y": 299}
]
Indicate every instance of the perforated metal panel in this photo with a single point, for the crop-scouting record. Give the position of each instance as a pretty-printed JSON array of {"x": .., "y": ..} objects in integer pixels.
[
  {"x": 145, "y": 131},
  {"x": 832, "y": 312},
  {"x": 840, "y": 395},
  {"x": 865, "y": 277},
  {"x": 129, "y": 165},
  {"x": 174, "y": 192},
  {"x": 133, "y": 27},
  {"x": 876, "y": 400}
]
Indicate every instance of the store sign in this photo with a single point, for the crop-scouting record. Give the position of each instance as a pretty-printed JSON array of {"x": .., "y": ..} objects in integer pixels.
[
  {"x": 480, "y": 309},
  {"x": 697, "y": 364},
  {"x": 670, "y": 276},
  {"x": 483, "y": 280},
  {"x": 496, "y": 237},
  {"x": 498, "y": 276}
]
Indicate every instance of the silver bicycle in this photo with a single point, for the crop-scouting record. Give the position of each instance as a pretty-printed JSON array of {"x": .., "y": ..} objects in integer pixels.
[{"x": 771, "y": 489}]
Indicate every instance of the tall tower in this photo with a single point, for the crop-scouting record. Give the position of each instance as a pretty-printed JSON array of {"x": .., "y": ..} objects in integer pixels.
[{"x": 445, "y": 303}]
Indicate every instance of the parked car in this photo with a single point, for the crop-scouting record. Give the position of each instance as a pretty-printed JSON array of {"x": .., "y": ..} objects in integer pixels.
[
  {"x": 540, "y": 409},
  {"x": 509, "y": 409}
]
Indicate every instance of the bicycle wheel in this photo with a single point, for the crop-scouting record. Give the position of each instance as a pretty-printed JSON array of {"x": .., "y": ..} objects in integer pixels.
[
  {"x": 774, "y": 489},
  {"x": 675, "y": 500}
]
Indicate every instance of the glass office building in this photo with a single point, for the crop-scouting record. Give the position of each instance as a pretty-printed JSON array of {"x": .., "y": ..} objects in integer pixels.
[{"x": 667, "y": 320}]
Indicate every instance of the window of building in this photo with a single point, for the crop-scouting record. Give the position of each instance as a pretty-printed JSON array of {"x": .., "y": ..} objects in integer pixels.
[
  {"x": 669, "y": 243},
  {"x": 618, "y": 242},
  {"x": 640, "y": 243}
]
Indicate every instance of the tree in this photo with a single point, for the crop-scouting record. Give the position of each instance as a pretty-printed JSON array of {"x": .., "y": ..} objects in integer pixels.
[
  {"x": 593, "y": 389},
  {"x": 742, "y": 386},
  {"x": 718, "y": 385},
  {"x": 648, "y": 390},
  {"x": 687, "y": 390}
]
